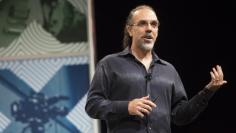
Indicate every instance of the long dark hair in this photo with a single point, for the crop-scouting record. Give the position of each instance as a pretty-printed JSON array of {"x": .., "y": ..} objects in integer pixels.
[{"x": 127, "y": 40}]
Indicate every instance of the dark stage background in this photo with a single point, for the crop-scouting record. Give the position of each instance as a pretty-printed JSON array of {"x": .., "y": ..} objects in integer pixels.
[{"x": 194, "y": 36}]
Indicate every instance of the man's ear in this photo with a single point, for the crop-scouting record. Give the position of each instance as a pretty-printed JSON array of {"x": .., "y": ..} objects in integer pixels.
[{"x": 129, "y": 28}]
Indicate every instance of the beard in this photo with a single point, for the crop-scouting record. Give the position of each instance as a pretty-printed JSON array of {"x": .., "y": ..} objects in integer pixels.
[{"x": 146, "y": 46}]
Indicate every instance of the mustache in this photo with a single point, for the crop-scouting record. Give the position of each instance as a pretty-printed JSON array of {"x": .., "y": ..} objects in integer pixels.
[{"x": 148, "y": 35}]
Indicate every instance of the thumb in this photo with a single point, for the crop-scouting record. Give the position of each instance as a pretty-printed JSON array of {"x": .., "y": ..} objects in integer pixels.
[{"x": 145, "y": 97}]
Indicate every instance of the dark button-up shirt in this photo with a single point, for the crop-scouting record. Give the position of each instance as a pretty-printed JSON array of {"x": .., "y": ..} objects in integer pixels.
[{"x": 120, "y": 77}]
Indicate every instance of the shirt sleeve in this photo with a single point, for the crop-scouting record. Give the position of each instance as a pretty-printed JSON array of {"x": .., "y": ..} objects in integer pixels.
[
  {"x": 98, "y": 105},
  {"x": 185, "y": 111}
]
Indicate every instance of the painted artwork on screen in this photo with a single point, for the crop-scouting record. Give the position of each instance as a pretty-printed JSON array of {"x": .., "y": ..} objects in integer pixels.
[{"x": 44, "y": 66}]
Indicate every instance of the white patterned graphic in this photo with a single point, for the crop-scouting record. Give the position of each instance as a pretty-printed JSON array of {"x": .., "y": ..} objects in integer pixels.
[
  {"x": 78, "y": 116},
  {"x": 37, "y": 72},
  {"x": 36, "y": 42},
  {"x": 4, "y": 122}
]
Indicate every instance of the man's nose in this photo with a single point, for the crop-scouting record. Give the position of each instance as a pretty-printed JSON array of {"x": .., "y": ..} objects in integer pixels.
[{"x": 149, "y": 26}]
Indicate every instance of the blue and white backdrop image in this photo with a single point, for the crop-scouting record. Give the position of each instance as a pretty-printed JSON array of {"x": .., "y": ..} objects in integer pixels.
[{"x": 46, "y": 59}]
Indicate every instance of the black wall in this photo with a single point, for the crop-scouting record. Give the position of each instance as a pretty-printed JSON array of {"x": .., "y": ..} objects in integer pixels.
[{"x": 194, "y": 36}]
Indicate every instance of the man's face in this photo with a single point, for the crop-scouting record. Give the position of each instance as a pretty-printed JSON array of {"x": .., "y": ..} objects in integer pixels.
[{"x": 144, "y": 29}]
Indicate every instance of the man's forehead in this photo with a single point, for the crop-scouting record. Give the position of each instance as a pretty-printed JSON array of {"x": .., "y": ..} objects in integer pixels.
[{"x": 144, "y": 14}]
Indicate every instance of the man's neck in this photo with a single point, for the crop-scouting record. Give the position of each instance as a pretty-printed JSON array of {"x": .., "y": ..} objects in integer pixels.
[
  {"x": 145, "y": 57},
  {"x": 141, "y": 54}
]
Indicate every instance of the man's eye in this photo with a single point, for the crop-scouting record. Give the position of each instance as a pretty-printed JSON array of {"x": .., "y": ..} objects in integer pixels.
[
  {"x": 154, "y": 24},
  {"x": 142, "y": 23}
]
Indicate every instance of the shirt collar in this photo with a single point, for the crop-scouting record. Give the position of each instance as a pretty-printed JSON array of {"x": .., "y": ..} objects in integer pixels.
[{"x": 127, "y": 51}]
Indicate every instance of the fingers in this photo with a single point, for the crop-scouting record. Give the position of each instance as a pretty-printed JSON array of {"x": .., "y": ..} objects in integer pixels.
[
  {"x": 217, "y": 78},
  {"x": 217, "y": 73},
  {"x": 149, "y": 103},
  {"x": 220, "y": 72},
  {"x": 141, "y": 106},
  {"x": 146, "y": 105},
  {"x": 146, "y": 97},
  {"x": 221, "y": 75},
  {"x": 212, "y": 76},
  {"x": 141, "y": 111}
]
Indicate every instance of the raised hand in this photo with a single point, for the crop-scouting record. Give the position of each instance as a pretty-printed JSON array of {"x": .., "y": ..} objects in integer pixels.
[{"x": 217, "y": 79}]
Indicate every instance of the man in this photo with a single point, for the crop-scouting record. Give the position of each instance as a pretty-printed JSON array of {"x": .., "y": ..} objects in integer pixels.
[{"x": 135, "y": 91}]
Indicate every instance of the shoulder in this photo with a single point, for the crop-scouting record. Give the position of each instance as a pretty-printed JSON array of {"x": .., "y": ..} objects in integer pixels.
[
  {"x": 111, "y": 58},
  {"x": 168, "y": 66},
  {"x": 169, "y": 69},
  {"x": 162, "y": 63}
]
